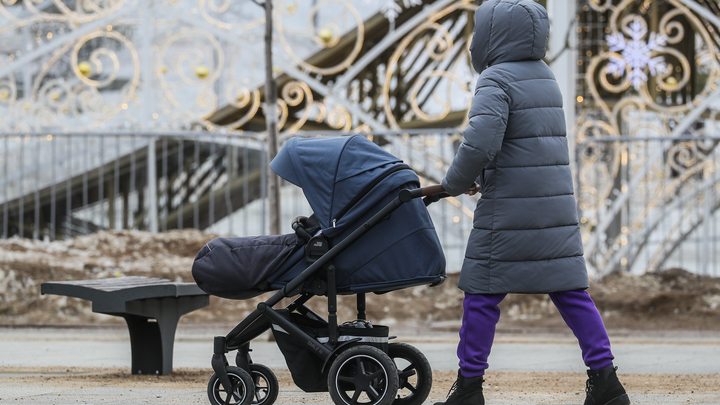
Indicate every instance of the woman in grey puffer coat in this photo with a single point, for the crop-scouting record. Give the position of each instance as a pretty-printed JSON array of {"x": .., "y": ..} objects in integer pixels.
[{"x": 525, "y": 236}]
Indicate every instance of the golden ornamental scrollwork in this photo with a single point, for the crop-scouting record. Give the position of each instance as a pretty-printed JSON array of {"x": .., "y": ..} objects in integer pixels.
[
  {"x": 452, "y": 77},
  {"x": 192, "y": 72},
  {"x": 240, "y": 95},
  {"x": 684, "y": 156},
  {"x": 338, "y": 117},
  {"x": 297, "y": 95},
  {"x": 594, "y": 165},
  {"x": 79, "y": 97},
  {"x": 323, "y": 25},
  {"x": 296, "y": 106},
  {"x": 8, "y": 99},
  {"x": 189, "y": 63},
  {"x": 639, "y": 109},
  {"x": 648, "y": 62},
  {"x": 292, "y": 95}
]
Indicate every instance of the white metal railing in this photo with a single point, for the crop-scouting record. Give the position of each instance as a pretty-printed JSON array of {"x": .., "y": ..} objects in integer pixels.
[{"x": 650, "y": 203}]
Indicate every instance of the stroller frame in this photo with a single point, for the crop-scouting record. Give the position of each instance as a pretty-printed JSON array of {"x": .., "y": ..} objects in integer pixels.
[{"x": 264, "y": 316}]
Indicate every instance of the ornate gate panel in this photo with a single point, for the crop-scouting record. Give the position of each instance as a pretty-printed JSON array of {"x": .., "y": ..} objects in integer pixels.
[{"x": 647, "y": 117}]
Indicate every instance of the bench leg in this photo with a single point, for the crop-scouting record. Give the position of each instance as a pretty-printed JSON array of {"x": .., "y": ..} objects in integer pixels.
[
  {"x": 146, "y": 345},
  {"x": 152, "y": 324}
]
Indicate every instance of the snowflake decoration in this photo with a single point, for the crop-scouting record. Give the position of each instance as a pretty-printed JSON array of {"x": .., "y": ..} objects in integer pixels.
[
  {"x": 391, "y": 9},
  {"x": 636, "y": 54}
]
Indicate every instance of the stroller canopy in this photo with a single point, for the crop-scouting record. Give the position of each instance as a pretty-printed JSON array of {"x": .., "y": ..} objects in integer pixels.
[{"x": 327, "y": 168}]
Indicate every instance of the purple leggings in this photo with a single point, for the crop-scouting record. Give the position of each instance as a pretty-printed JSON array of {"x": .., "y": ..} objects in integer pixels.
[{"x": 481, "y": 314}]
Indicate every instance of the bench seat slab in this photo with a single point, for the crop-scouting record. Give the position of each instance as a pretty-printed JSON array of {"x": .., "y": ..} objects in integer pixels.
[{"x": 151, "y": 308}]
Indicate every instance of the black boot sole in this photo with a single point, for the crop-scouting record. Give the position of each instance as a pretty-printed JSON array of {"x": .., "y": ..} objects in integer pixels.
[{"x": 621, "y": 400}]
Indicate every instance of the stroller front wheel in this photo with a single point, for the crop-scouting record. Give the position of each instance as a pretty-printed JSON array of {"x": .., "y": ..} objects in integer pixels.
[
  {"x": 363, "y": 375},
  {"x": 242, "y": 392}
]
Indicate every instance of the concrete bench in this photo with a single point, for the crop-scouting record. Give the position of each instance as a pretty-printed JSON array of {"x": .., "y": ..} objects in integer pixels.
[{"x": 151, "y": 307}]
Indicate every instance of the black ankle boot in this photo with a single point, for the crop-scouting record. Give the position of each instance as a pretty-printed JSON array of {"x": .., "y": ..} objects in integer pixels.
[
  {"x": 465, "y": 391},
  {"x": 604, "y": 388}
]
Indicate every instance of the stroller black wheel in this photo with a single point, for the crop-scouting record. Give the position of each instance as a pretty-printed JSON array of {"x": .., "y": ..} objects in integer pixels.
[
  {"x": 414, "y": 374},
  {"x": 266, "y": 384},
  {"x": 363, "y": 375},
  {"x": 242, "y": 388}
]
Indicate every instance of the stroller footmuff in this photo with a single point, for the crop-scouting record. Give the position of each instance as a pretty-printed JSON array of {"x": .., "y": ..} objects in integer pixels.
[
  {"x": 369, "y": 233},
  {"x": 238, "y": 268}
]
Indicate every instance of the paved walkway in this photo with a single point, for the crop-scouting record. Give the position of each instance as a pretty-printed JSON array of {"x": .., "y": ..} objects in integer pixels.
[
  {"x": 32, "y": 352},
  {"x": 646, "y": 353}
]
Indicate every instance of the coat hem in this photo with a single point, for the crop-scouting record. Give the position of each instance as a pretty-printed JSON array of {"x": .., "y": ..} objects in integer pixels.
[{"x": 488, "y": 292}]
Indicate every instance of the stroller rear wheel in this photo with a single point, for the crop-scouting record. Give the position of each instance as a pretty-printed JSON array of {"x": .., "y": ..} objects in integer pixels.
[
  {"x": 266, "y": 384},
  {"x": 242, "y": 388},
  {"x": 414, "y": 374},
  {"x": 363, "y": 375}
]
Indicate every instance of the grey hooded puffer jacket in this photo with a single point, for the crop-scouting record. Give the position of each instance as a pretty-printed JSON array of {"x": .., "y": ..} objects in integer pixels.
[{"x": 525, "y": 236}]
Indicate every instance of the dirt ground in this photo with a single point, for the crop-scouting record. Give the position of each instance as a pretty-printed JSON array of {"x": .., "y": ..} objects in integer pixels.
[
  {"x": 669, "y": 300},
  {"x": 497, "y": 384}
]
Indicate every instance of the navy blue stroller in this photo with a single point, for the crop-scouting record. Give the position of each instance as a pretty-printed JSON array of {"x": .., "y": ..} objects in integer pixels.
[{"x": 369, "y": 232}]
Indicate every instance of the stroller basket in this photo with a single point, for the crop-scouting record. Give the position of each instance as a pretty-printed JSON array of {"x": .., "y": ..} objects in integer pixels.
[{"x": 305, "y": 367}]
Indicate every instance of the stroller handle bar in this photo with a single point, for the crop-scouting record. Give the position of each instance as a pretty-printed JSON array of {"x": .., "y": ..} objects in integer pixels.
[{"x": 431, "y": 193}]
